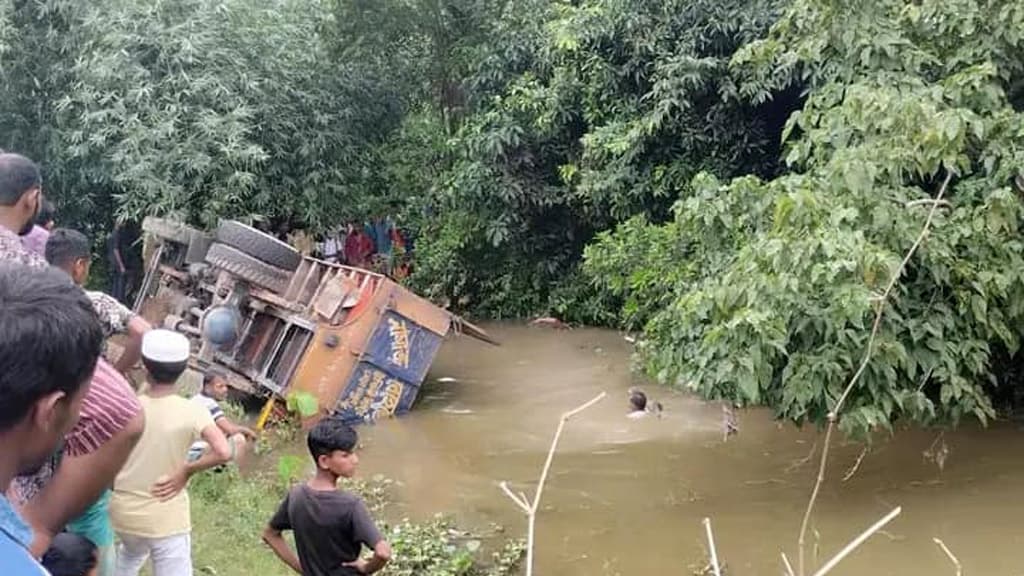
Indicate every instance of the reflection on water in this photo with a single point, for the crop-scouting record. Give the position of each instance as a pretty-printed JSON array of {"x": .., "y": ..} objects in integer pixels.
[{"x": 627, "y": 497}]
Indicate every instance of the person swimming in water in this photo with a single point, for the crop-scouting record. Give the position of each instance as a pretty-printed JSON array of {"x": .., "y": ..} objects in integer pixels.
[{"x": 639, "y": 407}]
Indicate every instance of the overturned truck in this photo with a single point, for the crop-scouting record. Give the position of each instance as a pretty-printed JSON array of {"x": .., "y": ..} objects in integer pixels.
[{"x": 279, "y": 323}]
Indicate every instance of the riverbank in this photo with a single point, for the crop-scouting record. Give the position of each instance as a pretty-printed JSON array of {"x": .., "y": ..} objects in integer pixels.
[{"x": 229, "y": 512}]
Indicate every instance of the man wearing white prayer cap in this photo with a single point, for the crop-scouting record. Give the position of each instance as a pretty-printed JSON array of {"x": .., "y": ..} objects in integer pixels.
[{"x": 150, "y": 506}]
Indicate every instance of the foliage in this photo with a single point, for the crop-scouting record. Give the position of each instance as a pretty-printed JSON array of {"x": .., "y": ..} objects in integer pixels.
[
  {"x": 303, "y": 404},
  {"x": 763, "y": 291},
  {"x": 435, "y": 548},
  {"x": 199, "y": 109},
  {"x": 424, "y": 45},
  {"x": 585, "y": 114}
]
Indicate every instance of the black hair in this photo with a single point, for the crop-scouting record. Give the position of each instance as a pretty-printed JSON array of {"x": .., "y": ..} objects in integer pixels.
[
  {"x": 47, "y": 213},
  {"x": 331, "y": 434},
  {"x": 164, "y": 372},
  {"x": 638, "y": 400},
  {"x": 64, "y": 246},
  {"x": 70, "y": 555},
  {"x": 50, "y": 338},
  {"x": 213, "y": 374},
  {"x": 18, "y": 175}
]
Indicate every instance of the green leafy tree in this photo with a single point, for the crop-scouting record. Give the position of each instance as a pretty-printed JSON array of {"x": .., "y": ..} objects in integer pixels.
[
  {"x": 586, "y": 114},
  {"x": 776, "y": 282},
  {"x": 197, "y": 109}
]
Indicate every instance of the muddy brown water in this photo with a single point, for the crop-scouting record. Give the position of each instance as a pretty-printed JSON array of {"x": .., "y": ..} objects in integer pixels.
[{"x": 627, "y": 497}]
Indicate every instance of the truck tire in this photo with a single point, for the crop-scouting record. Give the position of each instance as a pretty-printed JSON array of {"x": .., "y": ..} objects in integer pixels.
[
  {"x": 260, "y": 246},
  {"x": 167, "y": 229},
  {"x": 248, "y": 268}
]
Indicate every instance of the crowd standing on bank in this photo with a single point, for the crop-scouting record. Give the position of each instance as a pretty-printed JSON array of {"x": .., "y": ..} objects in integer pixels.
[{"x": 93, "y": 478}]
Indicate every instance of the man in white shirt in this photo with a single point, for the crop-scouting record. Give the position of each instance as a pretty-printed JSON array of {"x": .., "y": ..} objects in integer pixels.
[{"x": 214, "y": 391}]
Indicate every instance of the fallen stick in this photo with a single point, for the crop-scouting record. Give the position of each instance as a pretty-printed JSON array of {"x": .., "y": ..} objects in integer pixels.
[
  {"x": 789, "y": 567},
  {"x": 857, "y": 542},
  {"x": 856, "y": 465},
  {"x": 711, "y": 547},
  {"x": 530, "y": 509},
  {"x": 952, "y": 558}
]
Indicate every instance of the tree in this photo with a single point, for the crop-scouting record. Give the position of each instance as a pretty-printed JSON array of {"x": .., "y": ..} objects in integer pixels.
[
  {"x": 775, "y": 281},
  {"x": 197, "y": 109},
  {"x": 586, "y": 113}
]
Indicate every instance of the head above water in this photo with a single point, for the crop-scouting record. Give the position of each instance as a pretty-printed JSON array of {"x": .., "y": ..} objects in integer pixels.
[
  {"x": 637, "y": 400},
  {"x": 165, "y": 355},
  {"x": 332, "y": 443},
  {"x": 215, "y": 384},
  {"x": 70, "y": 251},
  {"x": 50, "y": 341},
  {"x": 21, "y": 191},
  {"x": 71, "y": 555}
]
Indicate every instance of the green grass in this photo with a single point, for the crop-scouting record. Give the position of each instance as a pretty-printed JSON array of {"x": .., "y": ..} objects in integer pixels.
[
  {"x": 229, "y": 513},
  {"x": 228, "y": 516}
]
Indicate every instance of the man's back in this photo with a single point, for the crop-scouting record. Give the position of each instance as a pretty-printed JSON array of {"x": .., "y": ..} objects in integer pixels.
[
  {"x": 330, "y": 527},
  {"x": 172, "y": 424}
]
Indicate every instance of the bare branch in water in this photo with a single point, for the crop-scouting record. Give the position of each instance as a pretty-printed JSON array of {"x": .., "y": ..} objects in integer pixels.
[
  {"x": 519, "y": 500},
  {"x": 949, "y": 554},
  {"x": 711, "y": 547},
  {"x": 833, "y": 415},
  {"x": 530, "y": 509},
  {"x": 730, "y": 426},
  {"x": 799, "y": 463},
  {"x": 789, "y": 567},
  {"x": 938, "y": 451},
  {"x": 856, "y": 465},
  {"x": 857, "y": 542}
]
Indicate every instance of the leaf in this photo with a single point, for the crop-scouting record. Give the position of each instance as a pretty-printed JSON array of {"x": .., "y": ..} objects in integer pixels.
[
  {"x": 289, "y": 467},
  {"x": 303, "y": 403}
]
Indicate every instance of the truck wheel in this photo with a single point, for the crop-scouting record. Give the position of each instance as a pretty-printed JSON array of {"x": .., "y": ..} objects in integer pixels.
[
  {"x": 247, "y": 268},
  {"x": 263, "y": 247},
  {"x": 167, "y": 229}
]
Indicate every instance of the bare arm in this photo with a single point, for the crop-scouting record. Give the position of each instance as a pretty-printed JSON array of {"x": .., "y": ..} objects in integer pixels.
[
  {"x": 78, "y": 483},
  {"x": 277, "y": 543},
  {"x": 219, "y": 453},
  {"x": 230, "y": 428},
  {"x": 137, "y": 327},
  {"x": 381, "y": 556}
]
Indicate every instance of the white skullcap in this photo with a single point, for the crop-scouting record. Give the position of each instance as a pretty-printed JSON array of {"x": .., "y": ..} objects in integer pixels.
[{"x": 165, "y": 346}]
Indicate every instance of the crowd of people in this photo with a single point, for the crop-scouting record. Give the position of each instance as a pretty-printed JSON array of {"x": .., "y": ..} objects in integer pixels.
[
  {"x": 379, "y": 245},
  {"x": 94, "y": 476}
]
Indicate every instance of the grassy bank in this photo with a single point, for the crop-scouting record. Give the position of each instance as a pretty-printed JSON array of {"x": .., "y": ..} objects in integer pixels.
[{"x": 229, "y": 513}]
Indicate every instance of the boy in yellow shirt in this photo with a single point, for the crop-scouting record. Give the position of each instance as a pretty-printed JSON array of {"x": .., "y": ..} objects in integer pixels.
[{"x": 150, "y": 506}]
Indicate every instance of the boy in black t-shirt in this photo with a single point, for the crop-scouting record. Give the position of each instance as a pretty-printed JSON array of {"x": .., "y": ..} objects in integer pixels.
[{"x": 331, "y": 526}]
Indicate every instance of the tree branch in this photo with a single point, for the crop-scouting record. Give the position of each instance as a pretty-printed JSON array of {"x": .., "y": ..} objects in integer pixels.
[
  {"x": 531, "y": 509},
  {"x": 711, "y": 547},
  {"x": 833, "y": 415},
  {"x": 949, "y": 554},
  {"x": 857, "y": 542}
]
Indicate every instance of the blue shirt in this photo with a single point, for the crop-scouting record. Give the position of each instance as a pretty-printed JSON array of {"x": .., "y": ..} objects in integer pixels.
[{"x": 15, "y": 537}]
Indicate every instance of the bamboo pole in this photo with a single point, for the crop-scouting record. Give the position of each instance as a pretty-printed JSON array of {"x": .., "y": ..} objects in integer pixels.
[{"x": 530, "y": 509}]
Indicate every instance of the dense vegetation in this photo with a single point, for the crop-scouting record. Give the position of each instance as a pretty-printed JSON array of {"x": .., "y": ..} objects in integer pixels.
[{"x": 737, "y": 180}]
